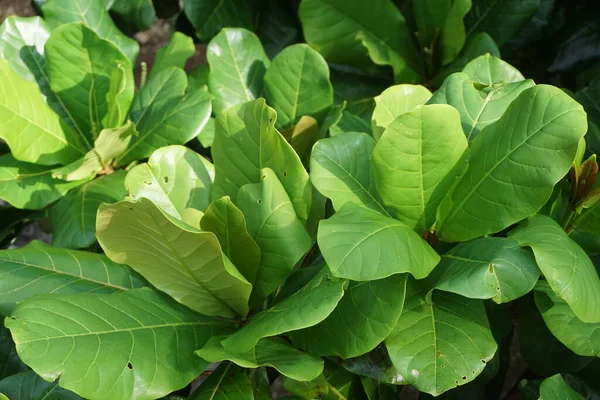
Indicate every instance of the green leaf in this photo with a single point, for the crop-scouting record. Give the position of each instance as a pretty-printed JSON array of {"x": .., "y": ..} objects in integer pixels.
[
  {"x": 119, "y": 96},
  {"x": 501, "y": 20},
  {"x": 376, "y": 390},
  {"x": 340, "y": 170},
  {"x": 353, "y": 243},
  {"x": 176, "y": 179},
  {"x": 268, "y": 352},
  {"x": 303, "y": 136},
  {"x": 394, "y": 101},
  {"x": 31, "y": 129},
  {"x": 412, "y": 171},
  {"x": 376, "y": 365},
  {"x": 30, "y": 386},
  {"x": 111, "y": 143},
  {"x": 41, "y": 269},
  {"x": 30, "y": 186},
  {"x": 489, "y": 70},
  {"x": 10, "y": 364},
  {"x": 297, "y": 84},
  {"x": 198, "y": 77},
  {"x": 139, "y": 13},
  {"x": 73, "y": 217},
  {"x": 165, "y": 113},
  {"x": 22, "y": 45},
  {"x": 349, "y": 122},
  {"x": 128, "y": 336},
  {"x": 477, "y": 109},
  {"x": 245, "y": 143},
  {"x": 314, "y": 389},
  {"x": 589, "y": 97},
  {"x": 363, "y": 318},
  {"x": 83, "y": 169},
  {"x": 555, "y": 388},
  {"x": 486, "y": 268},
  {"x": 276, "y": 229},
  {"x": 441, "y": 344},
  {"x": 93, "y": 14},
  {"x": 278, "y": 25},
  {"x": 514, "y": 165},
  {"x": 307, "y": 307},
  {"x": 226, "y": 382},
  {"x": 209, "y": 17},
  {"x": 207, "y": 134},
  {"x": 238, "y": 63},
  {"x": 175, "y": 54},
  {"x": 227, "y": 222},
  {"x": 184, "y": 262},
  {"x": 80, "y": 74},
  {"x": 564, "y": 264}
]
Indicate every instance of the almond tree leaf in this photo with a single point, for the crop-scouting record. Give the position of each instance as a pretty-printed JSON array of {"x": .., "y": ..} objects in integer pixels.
[
  {"x": 30, "y": 386},
  {"x": 555, "y": 388},
  {"x": 307, "y": 307},
  {"x": 363, "y": 318},
  {"x": 486, "y": 268},
  {"x": 238, "y": 63},
  {"x": 111, "y": 143},
  {"x": 268, "y": 352},
  {"x": 207, "y": 134},
  {"x": 84, "y": 169},
  {"x": 514, "y": 165},
  {"x": 41, "y": 269},
  {"x": 209, "y": 17},
  {"x": 490, "y": 70},
  {"x": 440, "y": 345},
  {"x": 10, "y": 364},
  {"x": 128, "y": 336},
  {"x": 184, "y": 262},
  {"x": 34, "y": 133},
  {"x": 412, "y": 170},
  {"x": 564, "y": 264},
  {"x": 119, "y": 97},
  {"x": 175, "y": 178},
  {"x": 94, "y": 15},
  {"x": 175, "y": 54},
  {"x": 303, "y": 136},
  {"x": 139, "y": 13},
  {"x": 73, "y": 217},
  {"x": 226, "y": 382}
]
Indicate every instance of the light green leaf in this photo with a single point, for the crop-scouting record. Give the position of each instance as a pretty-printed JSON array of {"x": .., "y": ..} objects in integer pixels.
[
  {"x": 489, "y": 70},
  {"x": 207, "y": 134},
  {"x": 555, "y": 388},
  {"x": 363, "y": 245},
  {"x": 564, "y": 264},
  {"x": 297, "y": 84},
  {"x": 486, "y": 268},
  {"x": 279, "y": 233},
  {"x": 184, "y": 262},
  {"x": 394, "y": 101},
  {"x": 119, "y": 96},
  {"x": 30, "y": 186},
  {"x": 440, "y": 345},
  {"x": 209, "y": 17},
  {"x": 514, "y": 165},
  {"x": 477, "y": 109},
  {"x": 363, "y": 318},
  {"x": 307, "y": 307},
  {"x": 31, "y": 129},
  {"x": 80, "y": 74},
  {"x": 340, "y": 169},
  {"x": 174, "y": 54},
  {"x": 175, "y": 178},
  {"x": 227, "y": 222},
  {"x": 268, "y": 352},
  {"x": 139, "y": 13},
  {"x": 127, "y": 336},
  {"x": 111, "y": 143},
  {"x": 226, "y": 382},
  {"x": 237, "y": 65},
  {"x": 93, "y": 14},
  {"x": 30, "y": 386},
  {"x": 245, "y": 143},
  {"x": 73, "y": 217},
  {"x": 10, "y": 364},
  {"x": 83, "y": 169},
  {"x": 413, "y": 172},
  {"x": 41, "y": 269},
  {"x": 198, "y": 77}
]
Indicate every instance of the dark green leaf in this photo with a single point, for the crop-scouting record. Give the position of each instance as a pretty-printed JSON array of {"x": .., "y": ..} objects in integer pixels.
[
  {"x": 210, "y": 16},
  {"x": 30, "y": 386}
]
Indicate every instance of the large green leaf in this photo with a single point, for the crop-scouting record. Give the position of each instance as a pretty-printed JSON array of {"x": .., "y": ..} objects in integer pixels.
[
  {"x": 268, "y": 352},
  {"x": 487, "y": 268},
  {"x": 41, "y": 269},
  {"x": 237, "y": 65},
  {"x": 307, "y": 307},
  {"x": 412, "y": 171},
  {"x": 394, "y": 101},
  {"x": 555, "y": 388},
  {"x": 514, "y": 165},
  {"x": 340, "y": 169},
  {"x": 477, "y": 109},
  {"x": 226, "y": 382},
  {"x": 564, "y": 264},
  {"x": 31, "y": 129},
  {"x": 93, "y": 14},
  {"x": 10, "y": 364},
  {"x": 165, "y": 112},
  {"x": 297, "y": 84},
  {"x": 81, "y": 76},
  {"x": 30, "y": 386},
  {"x": 246, "y": 141},
  {"x": 273, "y": 224},
  {"x": 119, "y": 96},
  {"x": 227, "y": 222},
  {"x": 347, "y": 32},
  {"x": 441, "y": 344},
  {"x": 73, "y": 217},
  {"x": 210, "y": 16},
  {"x": 363, "y": 318},
  {"x": 116, "y": 346},
  {"x": 184, "y": 262},
  {"x": 363, "y": 245},
  {"x": 176, "y": 179},
  {"x": 490, "y": 70},
  {"x": 30, "y": 186},
  {"x": 139, "y": 13},
  {"x": 175, "y": 54}
]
